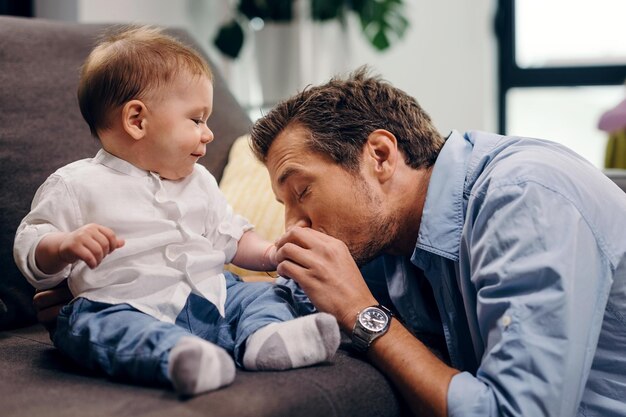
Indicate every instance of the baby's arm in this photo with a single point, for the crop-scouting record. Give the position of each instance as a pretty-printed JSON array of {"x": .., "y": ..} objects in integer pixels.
[
  {"x": 255, "y": 253},
  {"x": 90, "y": 243}
]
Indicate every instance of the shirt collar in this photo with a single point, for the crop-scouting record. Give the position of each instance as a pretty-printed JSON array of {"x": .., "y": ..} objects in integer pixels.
[
  {"x": 443, "y": 216},
  {"x": 117, "y": 164}
]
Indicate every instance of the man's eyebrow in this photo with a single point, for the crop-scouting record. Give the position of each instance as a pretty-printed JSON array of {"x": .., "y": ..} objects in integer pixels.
[{"x": 286, "y": 174}]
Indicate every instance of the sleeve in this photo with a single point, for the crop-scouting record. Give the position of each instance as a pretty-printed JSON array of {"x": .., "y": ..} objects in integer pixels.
[
  {"x": 224, "y": 227},
  {"x": 52, "y": 210},
  {"x": 542, "y": 284}
]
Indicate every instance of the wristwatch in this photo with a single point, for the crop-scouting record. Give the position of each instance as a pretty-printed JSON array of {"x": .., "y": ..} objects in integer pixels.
[{"x": 371, "y": 323}]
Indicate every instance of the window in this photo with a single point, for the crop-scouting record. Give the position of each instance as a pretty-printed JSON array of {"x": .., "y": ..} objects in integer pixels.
[{"x": 562, "y": 63}]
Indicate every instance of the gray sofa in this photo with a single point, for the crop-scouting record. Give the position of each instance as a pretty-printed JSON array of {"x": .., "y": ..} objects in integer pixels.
[{"x": 40, "y": 130}]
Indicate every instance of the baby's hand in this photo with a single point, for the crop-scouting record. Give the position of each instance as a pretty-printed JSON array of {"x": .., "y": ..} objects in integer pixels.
[{"x": 90, "y": 243}]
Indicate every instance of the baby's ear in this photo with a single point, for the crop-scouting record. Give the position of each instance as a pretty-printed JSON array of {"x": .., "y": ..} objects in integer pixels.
[{"x": 133, "y": 119}]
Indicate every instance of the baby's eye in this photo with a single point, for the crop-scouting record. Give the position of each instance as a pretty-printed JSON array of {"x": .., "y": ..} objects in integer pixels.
[{"x": 197, "y": 121}]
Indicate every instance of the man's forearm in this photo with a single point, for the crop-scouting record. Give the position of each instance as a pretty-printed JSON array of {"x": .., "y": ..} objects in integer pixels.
[
  {"x": 419, "y": 375},
  {"x": 326, "y": 271}
]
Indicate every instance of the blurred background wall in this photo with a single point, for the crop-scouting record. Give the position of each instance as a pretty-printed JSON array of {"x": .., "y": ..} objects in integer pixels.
[
  {"x": 449, "y": 59},
  {"x": 446, "y": 60}
]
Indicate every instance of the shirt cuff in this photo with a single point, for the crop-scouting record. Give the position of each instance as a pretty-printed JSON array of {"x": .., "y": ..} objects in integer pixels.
[
  {"x": 42, "y": 277},
  {"x": 469, "y": 397}
]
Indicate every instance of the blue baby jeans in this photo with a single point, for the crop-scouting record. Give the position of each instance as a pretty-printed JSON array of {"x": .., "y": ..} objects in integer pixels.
[{"x": 133, "y": 346}]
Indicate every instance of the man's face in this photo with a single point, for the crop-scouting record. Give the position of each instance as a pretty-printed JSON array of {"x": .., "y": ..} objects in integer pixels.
[{"x": 320, "y": 194}]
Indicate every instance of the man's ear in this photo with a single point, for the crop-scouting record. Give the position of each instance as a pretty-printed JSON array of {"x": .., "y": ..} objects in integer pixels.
[
  {"x": 381, "y": 152},
  {"x": 134, "y": 119}
]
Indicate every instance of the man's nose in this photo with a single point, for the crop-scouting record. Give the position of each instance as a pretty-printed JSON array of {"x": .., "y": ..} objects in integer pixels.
[{"x": 292, "y": 220}]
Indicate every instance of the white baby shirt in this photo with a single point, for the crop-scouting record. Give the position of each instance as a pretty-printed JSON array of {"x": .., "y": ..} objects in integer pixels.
[{"x": 178, "y": 234}]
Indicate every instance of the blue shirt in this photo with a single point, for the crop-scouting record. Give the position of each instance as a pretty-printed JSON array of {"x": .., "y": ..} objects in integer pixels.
[{"x": 523, "y": 243}]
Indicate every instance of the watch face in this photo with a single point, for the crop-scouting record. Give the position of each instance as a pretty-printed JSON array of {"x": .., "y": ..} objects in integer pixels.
[{"x": 373, "y": 319}]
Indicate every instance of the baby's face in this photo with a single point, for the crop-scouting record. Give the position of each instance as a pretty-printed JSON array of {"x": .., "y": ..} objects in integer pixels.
[{"x": 177, "y": 131}]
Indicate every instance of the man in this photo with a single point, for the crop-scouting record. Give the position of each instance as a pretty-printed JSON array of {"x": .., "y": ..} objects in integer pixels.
[{"x": 519, "y": 242}]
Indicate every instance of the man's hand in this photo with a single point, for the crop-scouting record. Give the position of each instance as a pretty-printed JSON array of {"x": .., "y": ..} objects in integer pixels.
[
  {"x": 90, "y": 243},
  {"x": 324, "y": 268},
  {"x": 48, "y": 303}
]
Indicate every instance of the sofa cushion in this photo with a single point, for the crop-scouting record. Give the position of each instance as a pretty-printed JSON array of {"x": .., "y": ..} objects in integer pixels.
[{"x": 41, "y": 129}]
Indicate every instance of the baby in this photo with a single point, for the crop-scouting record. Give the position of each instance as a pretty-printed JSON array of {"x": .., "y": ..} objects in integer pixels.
[{"x": 142, "y": 232}]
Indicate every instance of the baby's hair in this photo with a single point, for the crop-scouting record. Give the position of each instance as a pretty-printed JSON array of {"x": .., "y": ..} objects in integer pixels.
[{"x": 128, "y": 64}]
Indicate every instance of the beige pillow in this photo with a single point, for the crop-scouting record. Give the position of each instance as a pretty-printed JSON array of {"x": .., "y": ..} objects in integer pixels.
[{"x": 246, "y": 185}]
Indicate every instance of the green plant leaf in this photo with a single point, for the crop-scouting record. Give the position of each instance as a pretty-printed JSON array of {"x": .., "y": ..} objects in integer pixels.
[
  {"x": 229, "y": 39},
  {"x": 380, "y": 40},
  {"x": 324, "y": 10},
  {"x": 382, "y": 21},
  {"x": 379, "y": 19},
  {"x": 270, "y": 10}
]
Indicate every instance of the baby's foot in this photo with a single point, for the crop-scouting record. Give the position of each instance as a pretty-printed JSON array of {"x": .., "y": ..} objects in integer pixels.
[
  {"x": 292, "y": 344},
  {"x": 196, "y": 366}
]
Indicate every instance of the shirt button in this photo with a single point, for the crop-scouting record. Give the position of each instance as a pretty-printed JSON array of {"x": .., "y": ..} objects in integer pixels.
[{"x": 506, "y": 321}]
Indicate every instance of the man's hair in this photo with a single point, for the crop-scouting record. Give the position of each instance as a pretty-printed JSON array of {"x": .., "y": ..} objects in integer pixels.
[
  {"x": 129, "y": 64},
  {"x": 340, "y": 115}
]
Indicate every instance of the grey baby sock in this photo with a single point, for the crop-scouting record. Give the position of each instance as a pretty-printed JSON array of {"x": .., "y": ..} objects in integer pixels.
[
  {"x": 292, "y": 344},
  {"x": 196, "y": 366}
]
